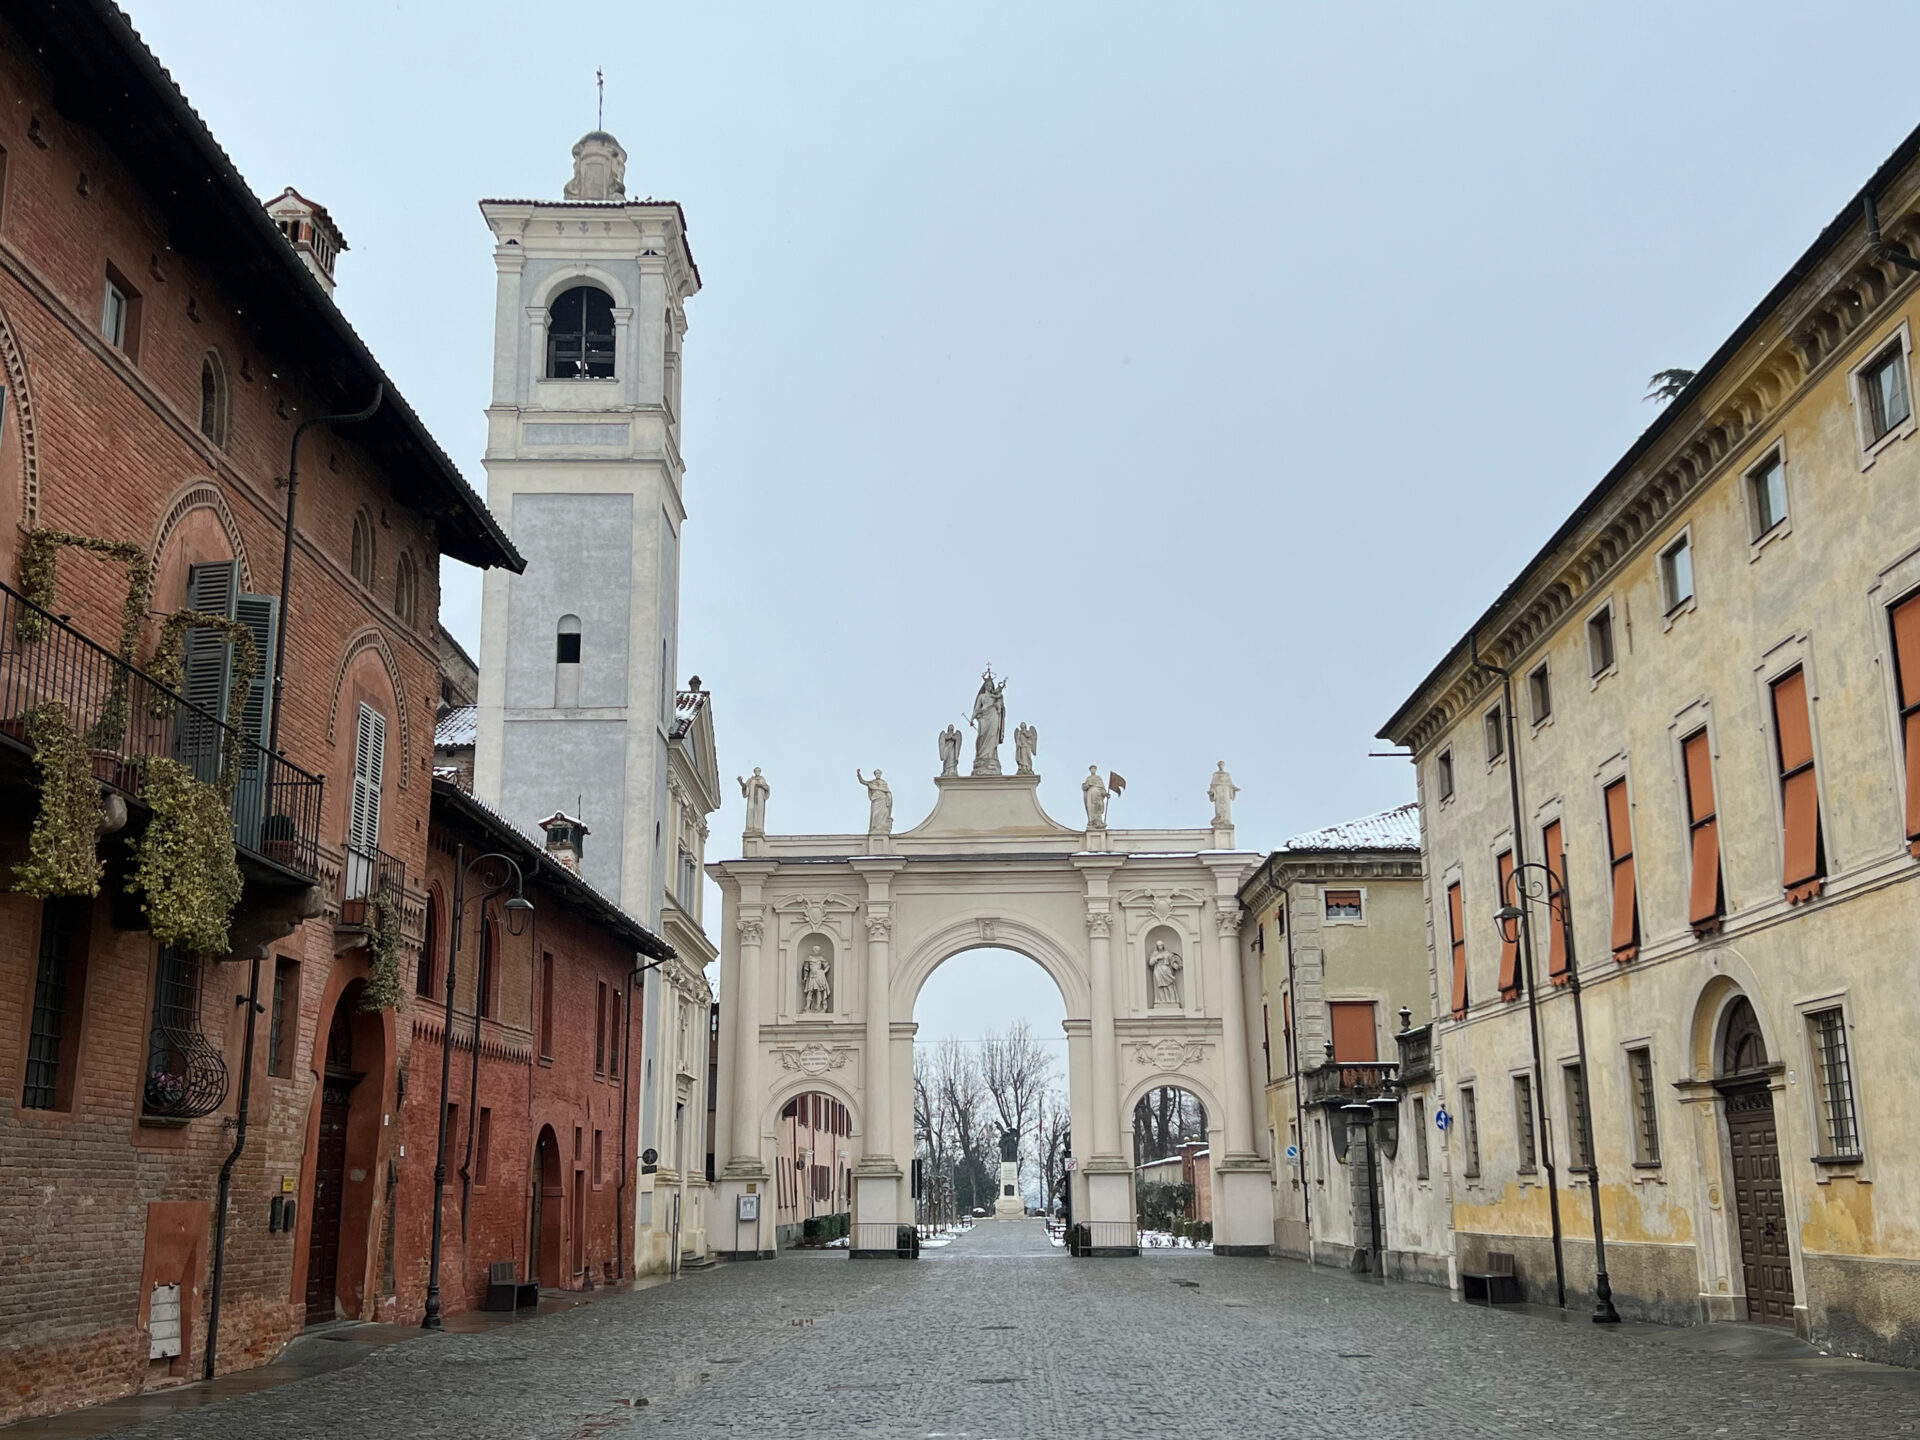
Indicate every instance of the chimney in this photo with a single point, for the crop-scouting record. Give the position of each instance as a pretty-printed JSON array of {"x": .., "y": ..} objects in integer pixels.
[
  {"x": 565, "y": 838},
  {"x": 311, "y": 232}
]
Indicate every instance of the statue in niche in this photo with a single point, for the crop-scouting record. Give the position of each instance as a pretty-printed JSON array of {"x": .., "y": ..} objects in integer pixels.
[
  {"x": 950, "y": 739},
  {"x": 879, "y": 804},
  {"x": 989, "y": 724},
  {"x": 1166, "y": 965},
  {"x": 756, "y": 791},
  {"x": 1026, "y": 744},
  {"x": 1009, "y": 1145},
  {"x": 1221, "y": 791},
  {"x": 816, "y": 982},
  {"x": 1094, "y": 791}
]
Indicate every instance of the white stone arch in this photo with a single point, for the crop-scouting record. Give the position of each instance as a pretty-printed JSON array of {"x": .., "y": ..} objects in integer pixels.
[
  {"x": 801, "y": 1083},
  {"x": 1008, "y": 933},
  {"x": 565, "y": 277},
  {"x": 1181, "y": 1079}
]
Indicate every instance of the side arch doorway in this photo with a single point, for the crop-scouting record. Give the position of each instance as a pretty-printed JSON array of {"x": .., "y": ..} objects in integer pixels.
[{"x": 549, "y": 1211}]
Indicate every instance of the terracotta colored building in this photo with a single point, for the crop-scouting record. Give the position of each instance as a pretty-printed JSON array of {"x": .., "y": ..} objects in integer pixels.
[
  {"x": 812, "y": 1176},
  {"x": 541, "y": 1099},
  {"x": 162, "y": 341}
]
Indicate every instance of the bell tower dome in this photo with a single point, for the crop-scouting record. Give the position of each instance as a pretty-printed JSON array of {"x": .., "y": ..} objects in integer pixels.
[{"x": 599, "y": 169}]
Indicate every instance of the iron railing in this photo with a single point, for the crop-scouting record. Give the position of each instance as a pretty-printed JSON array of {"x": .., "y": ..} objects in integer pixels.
[
  {"x": 186, "y": 1075},
  {"x": 1336, "y": 1084},
  {"x": 1416, "y": 1054},
  {"x": 126, "y": 717},
  {"x": 374, "y": 876},
  {"x": 885, "y": 1237},
  {"x": 1109, "y": 1235}
]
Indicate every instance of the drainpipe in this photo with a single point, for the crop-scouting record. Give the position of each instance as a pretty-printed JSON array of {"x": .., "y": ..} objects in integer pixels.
[
  {"x": 286, "y": 555},
  {"x": 1526, "y": 955},
  {"x": 1892, "y": 254},
  {"x": 1293, "y": 1065},
  {"x": 252, "y": 1001}
]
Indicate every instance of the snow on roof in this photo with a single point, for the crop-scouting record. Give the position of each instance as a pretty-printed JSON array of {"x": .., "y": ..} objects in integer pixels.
[
  {"x": 1397, "y": 829},
  {"x": 459, "y": 727}
]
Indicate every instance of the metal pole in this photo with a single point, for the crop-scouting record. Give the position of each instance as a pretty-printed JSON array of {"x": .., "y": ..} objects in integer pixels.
[
  {"x": 1603, "y": 1311},
  {"x": 431, "y": 1321},
  {"x": 252, "y": 1002}
]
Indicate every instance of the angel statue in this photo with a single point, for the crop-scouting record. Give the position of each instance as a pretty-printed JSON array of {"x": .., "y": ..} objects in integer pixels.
[
  {"x": 950, "y": 751},
  {"x": 1026, "y": 744}
]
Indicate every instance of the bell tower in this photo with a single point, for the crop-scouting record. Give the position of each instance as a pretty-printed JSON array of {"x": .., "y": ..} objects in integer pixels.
[{"x": 578, "y": 654}]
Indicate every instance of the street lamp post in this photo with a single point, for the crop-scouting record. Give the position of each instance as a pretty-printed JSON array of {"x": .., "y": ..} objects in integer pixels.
[
  {"x": 519, "y": 908},
  {"x": 1528, "y": 883}
]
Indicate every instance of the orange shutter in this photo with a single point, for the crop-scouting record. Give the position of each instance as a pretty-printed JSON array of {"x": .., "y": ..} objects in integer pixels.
[
  {"x": 1457, "y": 939},
  {"x": 1626, "y": 910},
  {"x": 1703, "y": 824},
  {"x": 1799, "y": 789},
  {"x": 1509, "y": 933},
  {"x": 1556, "y": 859},
  {"x": 1906, "y": 654},
  {"x": 1353, "y": 1037}
]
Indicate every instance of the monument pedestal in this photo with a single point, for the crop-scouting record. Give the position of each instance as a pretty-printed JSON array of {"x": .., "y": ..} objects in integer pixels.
[{"x": 1009, "y": 1205}]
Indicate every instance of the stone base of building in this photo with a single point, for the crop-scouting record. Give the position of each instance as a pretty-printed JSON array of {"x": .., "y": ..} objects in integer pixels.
[
  {"x": 744, "y": 1254},
  {"x": 1260, "y": 1252},
  {"x": 1869, "y": 1308},
  {"x": 1660, "y": 1283}
]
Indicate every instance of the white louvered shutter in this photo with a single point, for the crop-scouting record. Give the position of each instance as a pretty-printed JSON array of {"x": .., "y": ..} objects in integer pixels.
[{"x": 369, "y": 765}]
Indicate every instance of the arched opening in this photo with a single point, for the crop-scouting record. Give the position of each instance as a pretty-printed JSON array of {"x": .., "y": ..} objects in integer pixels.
[
  {"x": 428, "y": 973},
  {"x": 1172, "y": 1169},
  {"x": 1743, "y": 1075},
  {"x": 566, "y": 662},
  {"x": 406, "y": 586},
  {"x": 549, "y": 1211},
  {"x": 580, "y": 335},
  {"x": 360, "y": 560},
  {"x": 813, "y": 1171},
  {"x": 992, "y": 1126},
  {"x": 215, "y": 403},
  {"x": 352, "y": 1064}
]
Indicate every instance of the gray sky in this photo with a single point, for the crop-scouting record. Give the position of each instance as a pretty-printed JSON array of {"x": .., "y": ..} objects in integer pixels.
[{"x": 1207, "y": 371}]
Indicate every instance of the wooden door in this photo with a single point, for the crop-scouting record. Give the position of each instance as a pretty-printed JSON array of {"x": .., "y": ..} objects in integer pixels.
[
  {"x": 1760, "y": 1206},
  {"x": 329, "y": 1181},
  {"x": 579, "y": 1222}
]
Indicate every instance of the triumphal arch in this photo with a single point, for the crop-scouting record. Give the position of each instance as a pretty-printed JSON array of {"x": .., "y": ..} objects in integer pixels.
[{"x": 827, "y": 939}]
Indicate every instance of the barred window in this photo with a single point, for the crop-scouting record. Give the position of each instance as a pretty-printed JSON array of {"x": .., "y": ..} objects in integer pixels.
[
  {"x": 1523, "y": 1122},
  {"x": 53, "y": 1041},
  {"x": 1840, "y": 1128},
  {"x": 1470, "y": 1133},
  {"x": 1420, "y": 1137},
  {"x": 1646, "y": 1118},
  {"x": 1576, "y": 1085}
]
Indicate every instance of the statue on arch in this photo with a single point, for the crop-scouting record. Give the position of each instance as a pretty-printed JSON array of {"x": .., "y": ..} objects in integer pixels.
[
  {"x": 1026, "y": 744},
  {"x": 989, "y": 724},
  {"x": 950, "y": 739},
  {"x": 755, "y": 791},
  {"x": 879, "y": 803},
  {"x": 816, "y": 982},
  {"x": 1166, "y": 965},
  {"x": 1221, "y": 791},
  {"x": 1094, "y": 791}
]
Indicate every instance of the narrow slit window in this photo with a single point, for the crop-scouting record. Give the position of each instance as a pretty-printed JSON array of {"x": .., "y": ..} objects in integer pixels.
[
  {"x": 1469, "y": 1133},
  {"x": 1626, "y": 901},
  {"x": 1576, "y": 1085},
  {"x": 1767, "y": 494},
  {"x": 1540, "y": 692},
  {"x": 1496, "y": 729},
  {"x": 1600, "y": 642},
  {"x": 1457, "y": 938},
  {"x": 1840, "y": 1129},
  {"x": 1676, "y": 573},
  {"x": 1906, "y": 656},
  {"x": 1504, "y": 892},
  {"x": 1646, "y": 1117},
  {"x": 1443, "y": 772},
  {"x": 1523, "y": 1123}
]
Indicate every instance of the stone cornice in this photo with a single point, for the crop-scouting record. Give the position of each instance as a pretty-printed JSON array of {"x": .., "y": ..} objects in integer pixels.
[{"x": 1315, "y": 866}]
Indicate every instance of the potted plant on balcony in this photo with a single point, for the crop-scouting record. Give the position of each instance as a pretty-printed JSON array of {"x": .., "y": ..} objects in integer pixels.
[{"x": 165, "y": 1089}]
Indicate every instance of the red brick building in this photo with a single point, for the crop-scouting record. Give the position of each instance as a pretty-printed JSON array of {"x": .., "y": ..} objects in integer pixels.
[
  {"x": 161, "y": 339},
  {"x": 540, "y": 1124}
]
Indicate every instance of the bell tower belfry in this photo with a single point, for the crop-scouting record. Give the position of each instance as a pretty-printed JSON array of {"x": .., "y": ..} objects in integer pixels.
[{"x": 578, "y": 654}]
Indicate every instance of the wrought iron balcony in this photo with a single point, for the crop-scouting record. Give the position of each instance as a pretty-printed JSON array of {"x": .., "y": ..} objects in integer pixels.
[
  {"x": 369, "y": 876},
  {"x": 186, "y": 1075},
  {"x": 1336, "y": 1084},
  {"x": 126, "y": 717},
  {"x": 1416, "y": 1054}
]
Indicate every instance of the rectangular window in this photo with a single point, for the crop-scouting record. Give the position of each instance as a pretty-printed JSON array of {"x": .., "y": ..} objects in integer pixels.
[
  {"x": 1767, "y": 493},
  {"x": 600, "y": 1031},
  {"x": 284, "y": 1032},
  {"x": 1906, "y": 660},
  {"x": 1883, "y": 389},
  {"x": 1496, "y": 734},
  {"x": 566, "y": 648},
  {"x": 113, "y": 316},
  {"x": 1540, "y": 692},
  {"x": 1509, "y": 929},
  {"x": 1469, "y": 1133},
  {"x": 176, "y": 1028},
  {"x": 1646, "y": 1117},
  {"x": 598, "y": 1150},
  {"x": 579, "y": 1134},
  {"x": 1342, "y": 904},
  {"x": 1443, "y": 774},
  {"x": 1419, "y": 1137},
  {"x": 1626, "y": 902},
  {"x": 1576, "y": 1088},
  {"x": 1523, "y": 1122},
  {"x": 615, "y": 1034},
  {"x": 1600, "y": 642},
  {"x": 1676, "y": 573},
  {"x": 483, "y": 980},
  {"x": 1457, "y": 938},
  {"x": 1804, "y": 859},
  {"x": 546, "y": 1005},
  {"x": 1354, "y": 1042},
  {"x": 482, "y": 1146},
  {"x": 1839, "y": 1128},
  {"x": 59, "y": 995},
  {"x": 1559, "y": 933},
  {"x": 1705, "y": 902}
]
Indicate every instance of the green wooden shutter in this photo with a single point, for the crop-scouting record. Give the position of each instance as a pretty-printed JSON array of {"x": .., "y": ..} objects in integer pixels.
[
  {"x": 261, "y": 615},
  {"x": 207, "y": 666}
]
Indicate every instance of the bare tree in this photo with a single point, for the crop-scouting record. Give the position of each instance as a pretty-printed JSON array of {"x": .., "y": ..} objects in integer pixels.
[
  {"x": 962, "y": 1103},
  {"x": 1051, "y": 1135},
  {"x": 1166, "y": 1118}
]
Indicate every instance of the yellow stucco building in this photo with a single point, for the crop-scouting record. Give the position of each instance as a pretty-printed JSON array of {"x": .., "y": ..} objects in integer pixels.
[{"x": 1707, "y": 729}]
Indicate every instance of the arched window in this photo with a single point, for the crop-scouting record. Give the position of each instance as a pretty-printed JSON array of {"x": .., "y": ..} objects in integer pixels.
[
  {"x": 404, "y": 588},
  {"x": 213, "y": 399},
  {"x": 362, "y": 560},
  {"x": 429, "y": 947},
  {"x": 580, "y": 335},
  {"x": 566, "y": 661}
]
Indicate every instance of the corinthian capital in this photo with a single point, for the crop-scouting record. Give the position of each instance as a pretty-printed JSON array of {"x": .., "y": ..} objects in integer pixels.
[
  {"x": 1228, "y": 921},
  {"x": 879, "y": 925},
  {"x": 1099, "y": 924},
  {"x": 751, "y": 930}
]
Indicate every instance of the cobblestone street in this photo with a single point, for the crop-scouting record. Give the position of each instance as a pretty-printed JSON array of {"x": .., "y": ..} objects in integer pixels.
[{"x": 1000, "y": 1335}]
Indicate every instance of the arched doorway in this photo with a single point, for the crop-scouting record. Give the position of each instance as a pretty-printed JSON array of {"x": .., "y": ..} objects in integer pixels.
[
  {"x": 992, "y": 1127},
  {"x": 1743, "y": 1076},
  {"x": 812, "y": 1171},
  {"x": 549, "y": 1202},
  {"x": 346, "y": 1158}
]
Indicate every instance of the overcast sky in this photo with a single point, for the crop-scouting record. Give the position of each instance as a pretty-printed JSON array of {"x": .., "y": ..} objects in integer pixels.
[{"x": 1206, "y": 369}]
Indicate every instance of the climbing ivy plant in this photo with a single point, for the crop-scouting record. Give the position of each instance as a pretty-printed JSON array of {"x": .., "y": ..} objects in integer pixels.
[
  {"x": 383, "y": 990},
  {"x": 183, "y": 865},
  {"x": 63, "y": 857},
  {"x": 38, "y": 584}
]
